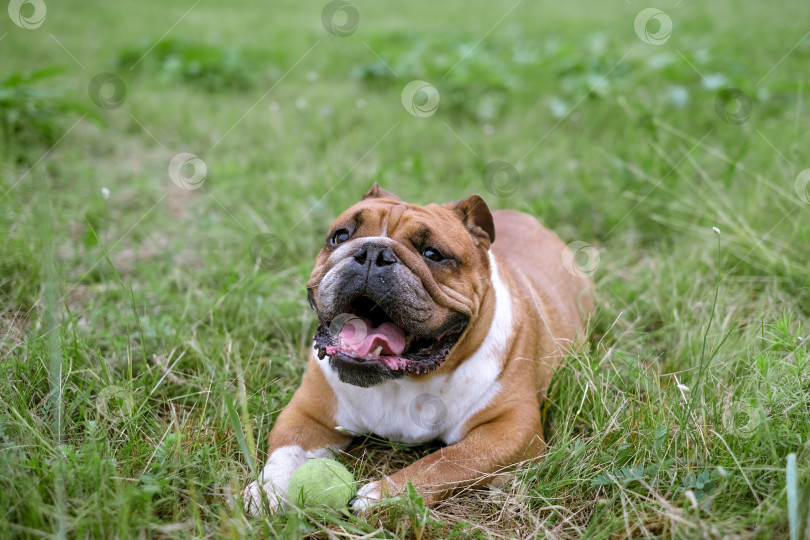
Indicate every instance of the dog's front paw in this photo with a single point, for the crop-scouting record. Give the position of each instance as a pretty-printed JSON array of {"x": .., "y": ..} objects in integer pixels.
[
  {"x": 270, "y": 491},
  {"x": 367, "y": 496},
  {"x": 371, "y": 495},
  {"x": 258, "y": 497}
]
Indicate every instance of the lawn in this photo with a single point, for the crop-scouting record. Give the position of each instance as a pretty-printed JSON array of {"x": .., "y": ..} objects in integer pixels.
[{"x": 168, "y": 172}]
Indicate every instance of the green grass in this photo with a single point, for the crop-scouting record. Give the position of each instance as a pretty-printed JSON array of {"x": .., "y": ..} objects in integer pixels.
[{"x": 146, "y": 347}]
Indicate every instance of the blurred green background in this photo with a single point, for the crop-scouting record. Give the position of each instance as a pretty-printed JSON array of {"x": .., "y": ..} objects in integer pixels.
[{"x": 133, "y": 307}]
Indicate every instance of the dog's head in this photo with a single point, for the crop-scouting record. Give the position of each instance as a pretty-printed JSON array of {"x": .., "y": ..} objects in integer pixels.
[{"x": 396, "y": 285}]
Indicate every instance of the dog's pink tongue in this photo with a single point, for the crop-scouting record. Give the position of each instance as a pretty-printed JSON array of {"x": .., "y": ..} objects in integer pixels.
[{"x": 363, "y": 339}]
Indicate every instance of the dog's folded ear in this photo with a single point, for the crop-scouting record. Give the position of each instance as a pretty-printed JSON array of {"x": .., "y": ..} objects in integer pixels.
[
  {"x": 376, "y": 192},
  {"x": 475, "y": 215}
]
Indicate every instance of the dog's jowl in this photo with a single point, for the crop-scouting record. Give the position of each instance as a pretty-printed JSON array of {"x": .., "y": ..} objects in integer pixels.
[{"x": 435, "y": 322}]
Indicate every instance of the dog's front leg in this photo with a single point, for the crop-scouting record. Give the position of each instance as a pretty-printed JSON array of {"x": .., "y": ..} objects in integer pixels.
[
  {"x": 502, "y": 441},
  {"x": 298, "y": 435}
]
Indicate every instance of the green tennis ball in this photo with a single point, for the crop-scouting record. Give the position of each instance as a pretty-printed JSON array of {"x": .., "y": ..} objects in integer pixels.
[{"x": 321, "y": 483}]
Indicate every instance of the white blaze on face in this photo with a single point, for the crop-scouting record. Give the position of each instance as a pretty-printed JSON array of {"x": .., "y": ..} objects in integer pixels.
[{"x": 342, "y": 260}]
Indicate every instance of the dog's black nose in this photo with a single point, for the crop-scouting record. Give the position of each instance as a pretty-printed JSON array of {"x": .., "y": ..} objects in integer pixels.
[{"x": 380, "y": 255}]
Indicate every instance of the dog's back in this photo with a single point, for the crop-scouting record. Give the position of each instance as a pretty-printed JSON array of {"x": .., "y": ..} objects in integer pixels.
[{"x": 544, "y": 270}]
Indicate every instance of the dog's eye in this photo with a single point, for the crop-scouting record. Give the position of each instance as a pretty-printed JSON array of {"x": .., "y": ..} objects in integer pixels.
[
  {"x": 432, "y": 254},
  {"x": 339, "y": 236}
]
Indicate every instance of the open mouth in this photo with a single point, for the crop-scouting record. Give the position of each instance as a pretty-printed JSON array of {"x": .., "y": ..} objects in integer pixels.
[{"x": 365, "y": 336}]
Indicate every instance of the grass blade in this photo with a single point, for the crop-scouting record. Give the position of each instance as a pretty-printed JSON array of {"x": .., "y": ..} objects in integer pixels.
[
  {"x": 792, "y": 496},
  {"x": 233, "y": 417}
]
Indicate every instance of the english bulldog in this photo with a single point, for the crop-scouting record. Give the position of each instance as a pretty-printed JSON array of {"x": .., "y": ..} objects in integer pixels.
[{"x": 438, "y": 322}]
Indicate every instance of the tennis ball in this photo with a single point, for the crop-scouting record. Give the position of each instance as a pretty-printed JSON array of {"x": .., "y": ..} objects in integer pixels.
[{"x": 321, "y": 483}]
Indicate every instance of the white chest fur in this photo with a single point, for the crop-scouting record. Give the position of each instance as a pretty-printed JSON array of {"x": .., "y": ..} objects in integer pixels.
[{"x": 411, "y": 412}]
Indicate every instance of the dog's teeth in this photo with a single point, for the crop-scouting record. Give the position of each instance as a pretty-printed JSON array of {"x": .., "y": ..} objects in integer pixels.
[{"x": 377, "y": 351}]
